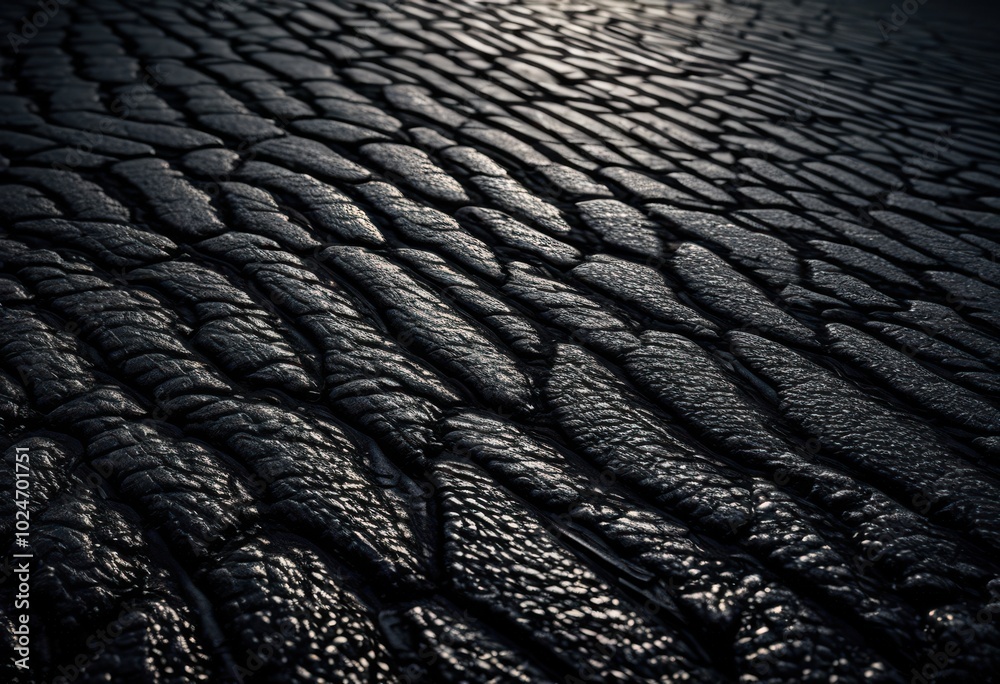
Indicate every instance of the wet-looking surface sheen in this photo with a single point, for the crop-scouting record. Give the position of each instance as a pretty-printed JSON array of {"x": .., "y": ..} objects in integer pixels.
[{"x": 568, "y": 342}]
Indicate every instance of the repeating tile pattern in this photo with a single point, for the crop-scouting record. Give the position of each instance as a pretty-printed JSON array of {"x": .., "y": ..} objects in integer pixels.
[{"x": 509, "y": 340}]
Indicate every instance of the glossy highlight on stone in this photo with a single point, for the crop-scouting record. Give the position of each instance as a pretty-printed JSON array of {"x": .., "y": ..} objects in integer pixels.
[{"x": 462, "y": 341}]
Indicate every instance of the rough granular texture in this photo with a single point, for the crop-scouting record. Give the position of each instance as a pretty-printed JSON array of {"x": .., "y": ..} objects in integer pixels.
[{"x": 511, "y": 341}]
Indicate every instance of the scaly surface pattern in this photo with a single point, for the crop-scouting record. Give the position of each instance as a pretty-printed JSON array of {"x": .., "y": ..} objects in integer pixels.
[{"x": 501, "y": 341}]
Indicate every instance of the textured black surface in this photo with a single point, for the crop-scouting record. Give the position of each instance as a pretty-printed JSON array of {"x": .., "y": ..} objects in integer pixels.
[{"x": 460, "y": 341}]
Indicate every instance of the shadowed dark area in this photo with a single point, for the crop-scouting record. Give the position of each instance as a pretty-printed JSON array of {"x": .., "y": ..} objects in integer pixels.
[{"x": 499, "y": 341}]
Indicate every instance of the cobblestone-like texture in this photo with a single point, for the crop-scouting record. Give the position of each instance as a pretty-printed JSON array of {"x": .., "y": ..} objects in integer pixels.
[{"x": 455, "y": 341}]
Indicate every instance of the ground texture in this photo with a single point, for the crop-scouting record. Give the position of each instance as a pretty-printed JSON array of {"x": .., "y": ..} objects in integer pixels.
[{"x": 501, "y": 341}]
